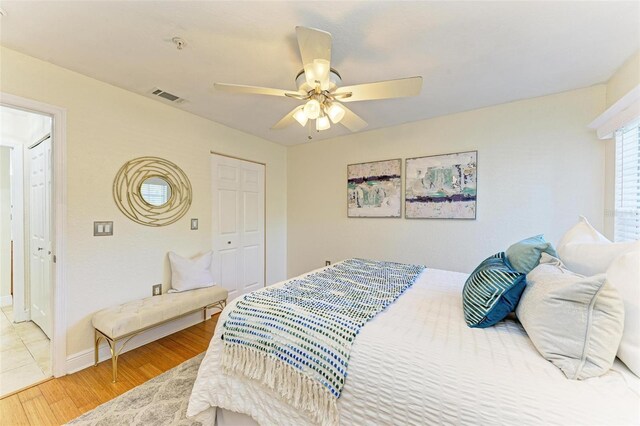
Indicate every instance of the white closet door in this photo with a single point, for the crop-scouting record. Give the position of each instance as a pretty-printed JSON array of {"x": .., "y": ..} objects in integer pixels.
[
  {"x": 40, "y": 235},
  {"x": 238, "y": 224}
]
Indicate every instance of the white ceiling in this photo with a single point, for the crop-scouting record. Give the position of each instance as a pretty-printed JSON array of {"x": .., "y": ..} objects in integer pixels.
[{"x": 471, "y": 54}]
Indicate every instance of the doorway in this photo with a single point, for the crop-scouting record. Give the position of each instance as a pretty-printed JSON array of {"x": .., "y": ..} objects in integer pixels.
[
  {"x": 238, "y": 224},
  {"x": 26, "y": 248}
]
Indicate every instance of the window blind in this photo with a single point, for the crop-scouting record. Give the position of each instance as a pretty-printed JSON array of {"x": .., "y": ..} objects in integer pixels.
[
  {"x": 155, "y": 194},
  {"x": 627, "y": 198}
]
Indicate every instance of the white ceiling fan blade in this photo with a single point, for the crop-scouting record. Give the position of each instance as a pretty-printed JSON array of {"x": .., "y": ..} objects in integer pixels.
[
  {"x": 315, "y": 50},
  {"x": 254, "y": 90},
  {"x": 287, "y": 120},
  {"x": 352, "y": 121},
  {"x": 380, "y": 90}
]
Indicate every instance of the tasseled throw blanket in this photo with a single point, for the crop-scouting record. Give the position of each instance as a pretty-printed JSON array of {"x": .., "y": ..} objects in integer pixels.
[{"x": 296, "y": 338}]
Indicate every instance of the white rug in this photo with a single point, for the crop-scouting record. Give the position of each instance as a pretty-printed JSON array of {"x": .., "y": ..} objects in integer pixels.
[{"x": 162, "y": 400}]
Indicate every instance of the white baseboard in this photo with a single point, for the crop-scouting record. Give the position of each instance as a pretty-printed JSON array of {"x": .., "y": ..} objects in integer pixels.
[
  {"x": 83, "y": 359},
  {"x": 6, "y": 300}
]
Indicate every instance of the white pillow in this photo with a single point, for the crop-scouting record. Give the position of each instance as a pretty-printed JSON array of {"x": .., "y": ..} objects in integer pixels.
[
  {"x": 575, "y": 322},
  {"x": 624, "y": 275},
  {"x": 189, "y": 274},
  {"x": 587, "y": 252},
  {"x": 582, "y": 232}
]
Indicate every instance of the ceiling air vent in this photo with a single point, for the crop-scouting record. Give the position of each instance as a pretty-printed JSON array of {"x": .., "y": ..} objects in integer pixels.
[{"x": 168, "y": 96}]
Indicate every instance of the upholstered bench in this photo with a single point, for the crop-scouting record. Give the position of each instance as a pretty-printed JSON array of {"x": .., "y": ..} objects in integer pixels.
[{"x": 129, "y": 319}]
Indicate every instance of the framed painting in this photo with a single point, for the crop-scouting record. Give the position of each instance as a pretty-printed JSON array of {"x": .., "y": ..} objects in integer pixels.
[
  {"x": 374, "y": 189},
  {"x": 441, "y": 186}
]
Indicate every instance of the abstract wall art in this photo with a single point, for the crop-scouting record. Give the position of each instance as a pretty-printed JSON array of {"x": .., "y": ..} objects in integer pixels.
[
  {"x": 441, "y": 186},
  {"x": 374, "y": 189}
]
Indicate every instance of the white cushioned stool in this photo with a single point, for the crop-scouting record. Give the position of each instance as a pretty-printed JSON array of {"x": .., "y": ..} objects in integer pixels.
[{"x": 131, "y": 318}]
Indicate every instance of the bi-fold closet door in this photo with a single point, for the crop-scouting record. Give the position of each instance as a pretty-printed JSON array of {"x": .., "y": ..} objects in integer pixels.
[{"x": 238, "y": 222}]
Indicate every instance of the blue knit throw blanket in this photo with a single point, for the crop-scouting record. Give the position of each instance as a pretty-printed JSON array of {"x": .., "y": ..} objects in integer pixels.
[{"x": 296, "y": 338}]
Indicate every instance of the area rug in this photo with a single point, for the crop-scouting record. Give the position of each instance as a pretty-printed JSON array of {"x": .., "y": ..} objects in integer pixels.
[{"x": 162, "y": 400}]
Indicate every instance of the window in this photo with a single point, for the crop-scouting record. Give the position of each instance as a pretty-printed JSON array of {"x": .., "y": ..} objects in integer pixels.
[{"x": 627, "y": 198}]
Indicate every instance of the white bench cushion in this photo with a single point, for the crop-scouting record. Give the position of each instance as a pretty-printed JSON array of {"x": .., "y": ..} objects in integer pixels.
[{"x": 134, "y": 316}]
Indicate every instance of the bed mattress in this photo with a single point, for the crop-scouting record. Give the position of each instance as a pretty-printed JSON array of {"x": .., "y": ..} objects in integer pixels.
[{"x": 418, "y": 363}]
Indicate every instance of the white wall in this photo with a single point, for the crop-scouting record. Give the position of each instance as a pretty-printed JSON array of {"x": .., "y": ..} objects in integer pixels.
[
  {"x": 539, "y": 167},
  {"x": 621, "y": 83},
  {"x": 5, "y": 226},
  {"x": 106, "y": 126}
]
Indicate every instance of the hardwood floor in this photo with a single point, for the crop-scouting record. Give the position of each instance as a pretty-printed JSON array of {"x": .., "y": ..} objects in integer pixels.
[{"x": 59, "y": 400}]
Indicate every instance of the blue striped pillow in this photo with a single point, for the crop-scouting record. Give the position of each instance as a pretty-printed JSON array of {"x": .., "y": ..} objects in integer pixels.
[{"x": 491, "y": 292}]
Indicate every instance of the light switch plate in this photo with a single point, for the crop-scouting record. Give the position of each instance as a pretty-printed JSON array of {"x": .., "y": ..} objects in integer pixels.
[
  {"x": 102, "y": 229},
  {"x": 194, "y": 224},
  {"x": 156, "y": 290}
]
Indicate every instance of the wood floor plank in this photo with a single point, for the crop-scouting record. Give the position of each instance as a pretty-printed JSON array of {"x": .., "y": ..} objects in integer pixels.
[
  {"x": 11, "y": 412},
  {"x": 39, "y": 412},
  {"x": 150, "y": 371},
  {"x": 65, "y": 410},
  {"x": 131, "y": 373},
  {"x": 185, "y": 352},
  {"x": 53, "y": 391},
  {"x": 60, "y": 400},
  {"x": 30, "y": 393},
  {"x": 77, "y": 391}
]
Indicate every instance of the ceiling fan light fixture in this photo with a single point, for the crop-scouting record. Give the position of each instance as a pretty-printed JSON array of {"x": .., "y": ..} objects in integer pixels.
[
  {"x": 335, "y": 113},
  {"x": 322, "y": 123},
  {"x": 301, "y": 117},
  {"x": 321, "y": 72},
  {"x": 312, "y": 109}
]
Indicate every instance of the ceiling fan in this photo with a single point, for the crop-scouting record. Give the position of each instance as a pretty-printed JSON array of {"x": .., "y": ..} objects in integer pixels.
[{"x": 319, "y": 87}]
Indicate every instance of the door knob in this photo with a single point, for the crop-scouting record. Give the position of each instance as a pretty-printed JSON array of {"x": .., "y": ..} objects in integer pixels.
[{"x": 40, "y": 248}]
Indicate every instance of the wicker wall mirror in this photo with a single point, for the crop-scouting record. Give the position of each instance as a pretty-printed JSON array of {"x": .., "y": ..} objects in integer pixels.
[{"x": 152, "y": 191}]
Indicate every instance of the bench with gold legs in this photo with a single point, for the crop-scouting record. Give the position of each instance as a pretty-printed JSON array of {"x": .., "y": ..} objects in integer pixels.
[{"x": 123, "y": 322}]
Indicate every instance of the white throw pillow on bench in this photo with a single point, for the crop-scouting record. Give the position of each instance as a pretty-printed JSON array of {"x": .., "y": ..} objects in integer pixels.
[{"x": 189, "y": 274}]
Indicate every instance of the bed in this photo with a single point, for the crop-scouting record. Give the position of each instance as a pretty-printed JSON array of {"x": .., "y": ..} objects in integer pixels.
[{"x": 418, "y": 363}]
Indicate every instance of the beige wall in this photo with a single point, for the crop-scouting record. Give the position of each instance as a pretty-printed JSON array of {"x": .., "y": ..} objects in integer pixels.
[
  {"x": 107, "y": 126},
  {"x": 5, "y": 225},
  {"x": 539, "y": 167},
  {"x": 623, "y": 81}
]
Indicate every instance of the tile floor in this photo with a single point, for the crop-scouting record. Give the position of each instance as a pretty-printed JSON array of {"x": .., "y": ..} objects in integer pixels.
[{"x": 25, "y": 355}]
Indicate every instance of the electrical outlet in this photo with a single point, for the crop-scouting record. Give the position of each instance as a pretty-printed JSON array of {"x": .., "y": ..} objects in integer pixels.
[
  {"x": 327, "y": 263},
  {"x": 156, "y": 290}
]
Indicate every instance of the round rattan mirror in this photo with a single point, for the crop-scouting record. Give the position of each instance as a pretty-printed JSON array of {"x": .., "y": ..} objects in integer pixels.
[{"x": 152, "y": 191}]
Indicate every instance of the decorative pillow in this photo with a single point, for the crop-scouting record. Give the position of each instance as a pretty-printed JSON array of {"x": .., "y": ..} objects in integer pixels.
[
  {"x": 491, "y": 292},
  {"x": 574, "y": 321},
  {"x": 582, "y": 232},
  {"x": 525, "y": 255},
  {"x": 189, "y": 274},
  {"x": 624, "y": 275},
  {"x": 586, "y": 251}
]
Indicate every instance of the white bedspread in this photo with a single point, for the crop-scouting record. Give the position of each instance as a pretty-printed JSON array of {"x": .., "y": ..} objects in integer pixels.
[{"x": 418, "y": 363}]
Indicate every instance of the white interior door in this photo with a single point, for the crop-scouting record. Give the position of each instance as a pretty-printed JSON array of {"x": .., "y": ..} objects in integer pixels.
[
  {"x": 40, "y": 235},
  {"x": 238, "y": 224}
]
